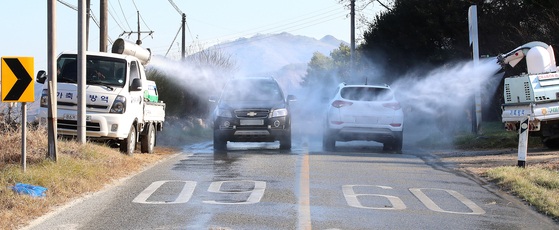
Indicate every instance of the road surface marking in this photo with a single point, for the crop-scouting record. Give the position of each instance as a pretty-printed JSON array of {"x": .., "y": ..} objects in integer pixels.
[
  {"x": 304, "y": 193},
  {"x": 351, "y": 198},
  {"x": 183, "y": 197},
  {"x": 255, "y": 195},
  {"x": 476, "y": 210}
]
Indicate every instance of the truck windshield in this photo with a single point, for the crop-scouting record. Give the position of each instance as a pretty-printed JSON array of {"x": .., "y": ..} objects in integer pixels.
[{"x": 99, "y": 70}]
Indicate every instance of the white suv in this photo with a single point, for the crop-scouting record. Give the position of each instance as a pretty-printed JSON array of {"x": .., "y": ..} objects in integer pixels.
[{"x": 364, "y": 112}]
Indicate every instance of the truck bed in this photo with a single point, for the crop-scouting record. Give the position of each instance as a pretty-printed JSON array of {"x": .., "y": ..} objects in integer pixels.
[{"x": 154, "y": 111}]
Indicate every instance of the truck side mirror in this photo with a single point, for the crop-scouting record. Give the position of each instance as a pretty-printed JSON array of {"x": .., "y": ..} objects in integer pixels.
[
  {"x": 136, "y": 85},
  {"x": 41, "y": 76}
]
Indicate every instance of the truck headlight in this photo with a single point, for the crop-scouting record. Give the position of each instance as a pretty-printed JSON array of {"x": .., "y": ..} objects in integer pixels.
[
  {"x": 279, "y": 113},
  {"x": 45, "y": 98},
  {"x": 119, "y": 105},
  {"x": 223, "y": 113}
]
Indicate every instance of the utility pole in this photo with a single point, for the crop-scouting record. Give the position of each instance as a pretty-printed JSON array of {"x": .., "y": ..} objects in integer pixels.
[
  {"x": 139, "y": 41},
  {"x": 139, "y": 32},
  {"x": 88, "y": 10},
  {"x": 81, "y": 70},
  {"x": 52, "y": 75},
  {"x": 472, "y": 20},
  {"x": 103, "y": 31},
  {"x": 183, "y": 53},
  {"x": 352, "y": 48}
]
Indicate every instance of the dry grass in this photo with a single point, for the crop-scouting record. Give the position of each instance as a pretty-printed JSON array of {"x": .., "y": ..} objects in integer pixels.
[
  {"x": 80, "y": 169},
  {"x": 538, "y": 185}
]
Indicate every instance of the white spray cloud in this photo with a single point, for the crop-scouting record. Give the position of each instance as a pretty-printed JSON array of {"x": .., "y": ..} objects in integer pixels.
[
  {"x": 446, "y": 87},
  {"x": 203, "y": 79}
]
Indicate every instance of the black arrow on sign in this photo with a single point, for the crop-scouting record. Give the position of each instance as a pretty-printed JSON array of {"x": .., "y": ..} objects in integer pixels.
[{"x": 23, "y": 79}]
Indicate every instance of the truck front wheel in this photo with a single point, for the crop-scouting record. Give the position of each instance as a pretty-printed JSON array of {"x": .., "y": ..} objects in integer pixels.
[
  {"x": 128, "y": 145},
  {"x": 148, "y": 140}
]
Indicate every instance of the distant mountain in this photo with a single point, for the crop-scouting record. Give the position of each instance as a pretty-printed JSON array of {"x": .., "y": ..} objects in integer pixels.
[
  {"x": 270, "y": 52},
  {"x": 283, "y": 56}
]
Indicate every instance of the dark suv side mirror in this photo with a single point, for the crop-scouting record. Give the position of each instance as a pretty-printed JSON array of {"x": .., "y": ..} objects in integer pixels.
[
  {"x": 136, "y": 85},
  {"x": 41, "y": 76},
  {"x": 291, "y": 98},
  {"x": 213, "y": 98}
]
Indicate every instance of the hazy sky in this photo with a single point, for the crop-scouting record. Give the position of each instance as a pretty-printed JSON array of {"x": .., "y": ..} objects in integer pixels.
[{"x": 24, "y": 23}]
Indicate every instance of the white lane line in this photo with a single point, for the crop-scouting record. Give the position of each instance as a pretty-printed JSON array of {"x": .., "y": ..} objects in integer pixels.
[{"x": 304, "y": 193}]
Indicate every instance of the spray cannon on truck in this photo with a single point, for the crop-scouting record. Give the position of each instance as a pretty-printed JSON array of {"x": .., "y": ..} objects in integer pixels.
[
  {"x": 534, "y": 94},
  {"x": 121, "y": 104}
]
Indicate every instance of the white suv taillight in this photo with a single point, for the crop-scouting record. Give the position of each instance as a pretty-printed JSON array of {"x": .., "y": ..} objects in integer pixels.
[
  {"x": 394, "y": 106},
  {"x": 339, "y": 103}
]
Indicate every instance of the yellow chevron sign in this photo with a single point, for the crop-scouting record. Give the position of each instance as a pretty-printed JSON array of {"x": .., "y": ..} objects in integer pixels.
[{"x": 17, "y": 83}]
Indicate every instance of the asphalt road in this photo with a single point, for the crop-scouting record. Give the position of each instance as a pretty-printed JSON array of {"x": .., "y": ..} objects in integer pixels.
[{"x": 257, "y": 186}]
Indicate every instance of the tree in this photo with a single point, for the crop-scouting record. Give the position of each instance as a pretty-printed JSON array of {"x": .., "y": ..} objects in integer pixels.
[
  {"x": 418, "y": 32},
  {"x": 431, "y": 33},
  {"x": 319, "y": 70}
]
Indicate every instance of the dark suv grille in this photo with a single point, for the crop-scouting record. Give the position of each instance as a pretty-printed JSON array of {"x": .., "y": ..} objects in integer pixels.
[
  {"x": 252, "y": 113},
  {"x": 73, "y": 125}
]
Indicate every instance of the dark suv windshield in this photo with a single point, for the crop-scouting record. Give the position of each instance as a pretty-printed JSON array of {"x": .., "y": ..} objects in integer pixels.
[
  {"x": 366, "y": 94},
  {"x": 252, "y": 90},
  {"x": 99, "y": 70}
]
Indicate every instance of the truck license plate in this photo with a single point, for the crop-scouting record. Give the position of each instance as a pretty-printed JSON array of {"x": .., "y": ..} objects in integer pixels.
[
  {"x": 74, "y": 117},
  {"x": 252, "y": 122}
]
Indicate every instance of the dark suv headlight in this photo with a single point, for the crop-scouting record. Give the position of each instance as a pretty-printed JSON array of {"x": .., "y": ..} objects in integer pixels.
[
  {"x": 223, "y": 113},
  {"x": 279, "y": 112}
]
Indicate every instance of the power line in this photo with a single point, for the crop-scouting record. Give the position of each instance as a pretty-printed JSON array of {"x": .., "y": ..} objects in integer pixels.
[
  {"x": 293, "y": 28},
  {"x": 299, "y": 23},
  {"x": 114, "y": 19},
  {"x": 124, "y": 15},
  {"x": 133, "y": 2},
  {"x": 176, "y": 7},
  {"x": 290, "y": 19},
  {"x": 180, "y": 27},
  {"x": 93, "y": 17},
  {"x": 231, "y": 44},
  {"x": 119, "y": 20},
  {"x": 286, "y": 24}
]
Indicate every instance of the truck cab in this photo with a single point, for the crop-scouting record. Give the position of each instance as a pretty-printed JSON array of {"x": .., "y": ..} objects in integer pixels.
[{"x": 118, "y": 97}]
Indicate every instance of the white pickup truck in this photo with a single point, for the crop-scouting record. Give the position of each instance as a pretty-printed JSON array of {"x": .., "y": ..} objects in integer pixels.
[
  {"x": 535, "y": 94},
  {"x": 121, "y": 104}
]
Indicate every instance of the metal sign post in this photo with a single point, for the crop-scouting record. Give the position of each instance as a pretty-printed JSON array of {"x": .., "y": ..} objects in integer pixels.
[
  {"x": 523, "y": 141},
  {"x": 24, "y": 136}
]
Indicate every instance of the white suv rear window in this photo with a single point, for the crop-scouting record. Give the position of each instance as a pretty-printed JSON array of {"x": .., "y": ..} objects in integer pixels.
[{"x": 366, "y": 94}]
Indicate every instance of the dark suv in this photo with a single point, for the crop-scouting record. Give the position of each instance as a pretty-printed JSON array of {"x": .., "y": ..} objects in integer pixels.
[{"x": 252, "y": 110}]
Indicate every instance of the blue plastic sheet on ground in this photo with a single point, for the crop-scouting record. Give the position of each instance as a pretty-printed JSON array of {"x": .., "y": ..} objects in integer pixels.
[{"x": 32, "y": 190}]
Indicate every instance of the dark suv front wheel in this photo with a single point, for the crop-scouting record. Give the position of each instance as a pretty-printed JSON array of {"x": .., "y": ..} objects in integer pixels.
[
  {"x": 285, "y": 142},
  {"x": 219, "y": 142}
]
